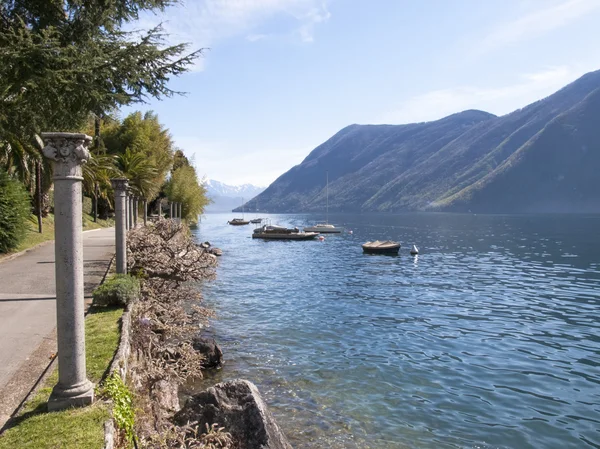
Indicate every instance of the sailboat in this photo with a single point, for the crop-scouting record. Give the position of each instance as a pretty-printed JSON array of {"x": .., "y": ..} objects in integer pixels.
[
  {"x": 256, "y": 220},
  {"x": 325, "y": 228},
  {"x": 239, "y": 221}
]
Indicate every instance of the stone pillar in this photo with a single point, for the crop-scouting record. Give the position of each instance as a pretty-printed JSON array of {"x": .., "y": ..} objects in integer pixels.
[
  {"x": 127, "y": 209},
  {"x": 170, "y": 209},
  {"x": 130, "y": 217},
  {"x": 180, "y": 211},
  {"x": 135, "y": 211},
  {"x": 145, "y": 212},
  {"x": 68, "y": 152},
  {"x": 120, "y": 187}
]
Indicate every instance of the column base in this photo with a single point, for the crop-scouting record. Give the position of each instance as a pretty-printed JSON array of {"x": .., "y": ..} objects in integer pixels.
[{"x": 75, "y": 396}]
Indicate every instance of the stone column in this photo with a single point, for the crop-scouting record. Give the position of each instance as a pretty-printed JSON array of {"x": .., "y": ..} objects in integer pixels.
[
  {"x": 135, "y": 211},
  {"x": 68, "y": 152},
  {"x": 127, "y": 209},
  {"x": 145, "y": 212},
  {"x": 180, "y": 211},
  {"x": 120, "y": 187},
  {"x": 170, "y": 209},
  {"x": 130, "y": 217}
]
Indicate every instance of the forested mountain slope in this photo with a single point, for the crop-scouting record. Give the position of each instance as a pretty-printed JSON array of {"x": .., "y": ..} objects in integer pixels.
[{"x": 541, "y": 158}]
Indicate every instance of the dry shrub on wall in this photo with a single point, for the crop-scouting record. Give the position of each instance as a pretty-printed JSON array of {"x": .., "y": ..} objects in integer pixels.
[{"x": 168, "y": 314}]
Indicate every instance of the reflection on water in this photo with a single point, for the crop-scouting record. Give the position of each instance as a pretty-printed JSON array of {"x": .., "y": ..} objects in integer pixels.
[{"x": 489, "y": 338}]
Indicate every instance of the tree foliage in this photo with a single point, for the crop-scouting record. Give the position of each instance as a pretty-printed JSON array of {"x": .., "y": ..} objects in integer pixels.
[
  {"x": 185, "y": 188},
  {"x": 64, "y": 59},
  {"x": 14, "y": 211},
  {"x": 142, "y": 136}
]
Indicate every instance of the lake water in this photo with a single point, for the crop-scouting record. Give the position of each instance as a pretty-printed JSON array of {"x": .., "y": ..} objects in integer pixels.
[{"x": 490, "y": 338}]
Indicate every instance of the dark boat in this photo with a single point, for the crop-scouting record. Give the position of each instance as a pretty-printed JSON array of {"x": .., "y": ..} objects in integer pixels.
[
  {"x": 280, "y": 233},
  {"x": 238, "y": 222},
  {"x": 377, "y": 247}
]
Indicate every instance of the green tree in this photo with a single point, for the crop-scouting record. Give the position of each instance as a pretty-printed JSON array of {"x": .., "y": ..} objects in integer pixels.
[
  {"x": 62, "y": 59},
  {"x": 144, "y": 135},
  {"x": 139, "y": 170},
  {"x": 14, "y": 211},
  {"x": 185, "y": 188}
]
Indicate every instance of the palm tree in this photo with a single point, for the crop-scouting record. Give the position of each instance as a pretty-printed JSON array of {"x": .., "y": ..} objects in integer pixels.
[
  {"x": 140, "y": 171},
  {"x": 96, "y": 177}
]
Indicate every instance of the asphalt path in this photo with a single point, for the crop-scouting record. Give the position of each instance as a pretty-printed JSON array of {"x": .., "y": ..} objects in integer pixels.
[{"x": 28, "y": 312}]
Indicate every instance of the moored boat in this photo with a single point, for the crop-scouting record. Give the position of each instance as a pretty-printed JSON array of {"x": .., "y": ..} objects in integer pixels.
[
  {"x": 238, "y": 222},
  {"x": 324, "y": 228},
  {"x": 256, "y": 220},
  {"x": 280, "y": 233},
  {"x": 377, "y": 247}
]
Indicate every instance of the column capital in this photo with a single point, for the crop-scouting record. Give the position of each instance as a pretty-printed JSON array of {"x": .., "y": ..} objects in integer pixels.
[
  {"x": 68, "y": 151},
  {"x": 120, "y": 184}
]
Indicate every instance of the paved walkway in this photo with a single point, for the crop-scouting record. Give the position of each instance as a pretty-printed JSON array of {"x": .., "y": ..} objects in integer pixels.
[{"x": 28, "y": 313}]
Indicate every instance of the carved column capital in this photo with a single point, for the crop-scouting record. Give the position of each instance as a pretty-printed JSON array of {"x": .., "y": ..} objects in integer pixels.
[
  {"x": 120, "y": 185},
  {"x": 68, "y": 151}
]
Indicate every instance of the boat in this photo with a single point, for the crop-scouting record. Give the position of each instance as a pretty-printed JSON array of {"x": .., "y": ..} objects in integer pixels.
[
  {"x": 238, "y": 222},
  {"x": 256, "y": 220},
  {"x": 325, "y": 228},
  {"x": 269, "y": 232},
  {"x": 377, "y": 247}
]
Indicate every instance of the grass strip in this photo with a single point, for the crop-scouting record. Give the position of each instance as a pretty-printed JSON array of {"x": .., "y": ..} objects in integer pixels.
[{"x": 80, "y": 428}]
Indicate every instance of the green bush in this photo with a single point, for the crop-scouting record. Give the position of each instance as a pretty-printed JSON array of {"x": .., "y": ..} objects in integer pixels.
[
  {"x": 119, "y": 290},
  {"x": 15, "y": 209}
]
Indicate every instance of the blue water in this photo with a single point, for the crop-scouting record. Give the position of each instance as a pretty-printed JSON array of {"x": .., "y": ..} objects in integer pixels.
[{"x": 490, "y": 338}]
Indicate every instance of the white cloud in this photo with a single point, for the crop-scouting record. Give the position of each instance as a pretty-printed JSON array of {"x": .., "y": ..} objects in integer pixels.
[
  {"x": 495, "y": 99},
  {"x": 205, "y": 22},
  {"x": 548, "y": 17}
]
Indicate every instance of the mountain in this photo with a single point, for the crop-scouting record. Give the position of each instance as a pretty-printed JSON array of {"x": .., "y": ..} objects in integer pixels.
[
  {"x": 544, "y": 157},
  {"x": 226, "y": 197}
]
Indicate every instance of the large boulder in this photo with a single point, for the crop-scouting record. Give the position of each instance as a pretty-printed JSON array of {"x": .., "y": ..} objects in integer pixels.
[
  {"x": 238, "y": 407},
  {"x": 208, "y": 347}
]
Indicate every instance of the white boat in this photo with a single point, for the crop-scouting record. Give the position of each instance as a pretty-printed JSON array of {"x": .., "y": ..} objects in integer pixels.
[{"x": 325, "y": 228}]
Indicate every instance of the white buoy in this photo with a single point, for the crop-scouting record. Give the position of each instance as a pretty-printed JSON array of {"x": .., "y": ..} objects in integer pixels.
[
  {"x": 349, "y": 232},
  {"x": 414, "y": 250},
  {"x": 321, "y": 238}
]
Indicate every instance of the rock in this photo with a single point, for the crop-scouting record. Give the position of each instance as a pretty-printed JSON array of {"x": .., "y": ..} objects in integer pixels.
[
  {"x": 208, "y": 347},
  {"x": 204, "y": 245},
  {"x": 165, "y": 397},
  {"x": 216, "y": 251},
  {"x": 238, "y": 407}
]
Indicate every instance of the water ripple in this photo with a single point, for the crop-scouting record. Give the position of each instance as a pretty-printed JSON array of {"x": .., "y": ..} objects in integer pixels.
[{"x": 490, "y": 338}]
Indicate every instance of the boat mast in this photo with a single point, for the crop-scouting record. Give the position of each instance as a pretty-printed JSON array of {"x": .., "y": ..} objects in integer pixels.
[
  {"x": 327, "y": 195},
  {"x": 242, "y": 208}
]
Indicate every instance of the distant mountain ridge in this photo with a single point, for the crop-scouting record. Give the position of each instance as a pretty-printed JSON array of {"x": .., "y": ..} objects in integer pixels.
[
  {"x": 544, "y": 157},
  {"x": 226, "y": 197}
]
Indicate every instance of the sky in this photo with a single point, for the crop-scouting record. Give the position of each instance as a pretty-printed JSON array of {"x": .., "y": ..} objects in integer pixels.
[{"x": 280, "y": 77}]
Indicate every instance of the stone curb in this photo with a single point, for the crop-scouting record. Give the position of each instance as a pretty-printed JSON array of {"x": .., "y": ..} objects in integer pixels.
[{"x": 119, "y": 365}]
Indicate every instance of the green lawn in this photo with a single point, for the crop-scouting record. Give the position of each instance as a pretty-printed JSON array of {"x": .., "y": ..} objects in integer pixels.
[{"x": 76, "y": 428}]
